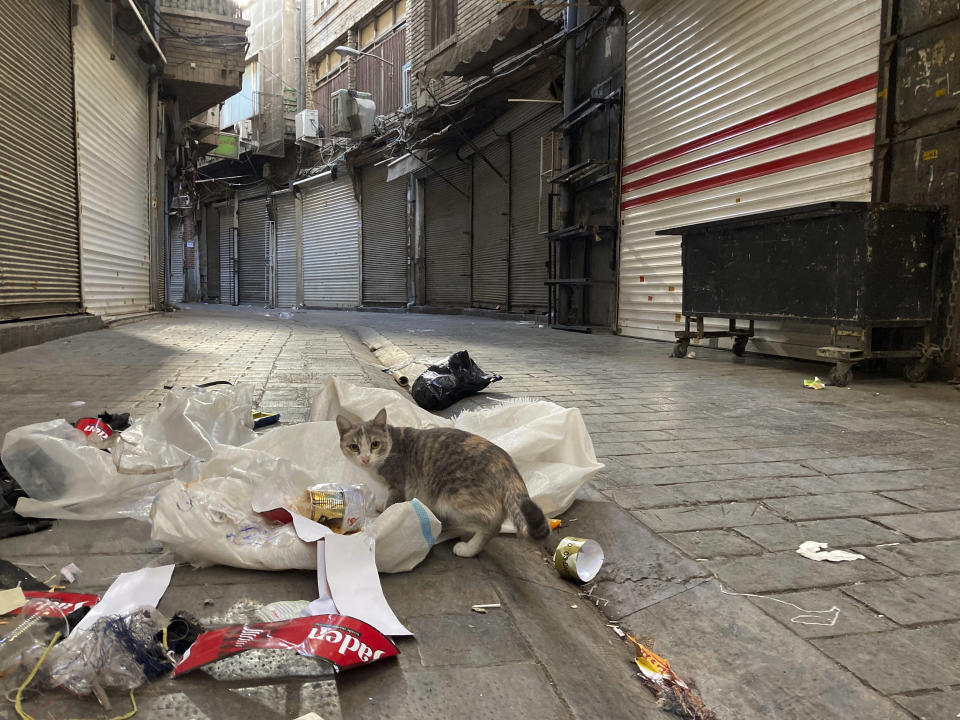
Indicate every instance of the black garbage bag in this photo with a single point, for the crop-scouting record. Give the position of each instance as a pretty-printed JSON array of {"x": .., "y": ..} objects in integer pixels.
[
  {"x": 448, "y": 382},
  {"x": 12, "y": 524}
]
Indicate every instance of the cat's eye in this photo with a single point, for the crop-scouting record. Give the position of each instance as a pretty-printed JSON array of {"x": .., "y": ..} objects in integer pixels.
[
  {"x": 375, "y": 444},
  {"x": 355, "y": 447}
]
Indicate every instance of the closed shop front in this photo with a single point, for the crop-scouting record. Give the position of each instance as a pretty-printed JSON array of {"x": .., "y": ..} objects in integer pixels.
[
  {"x": 252, "y": 251},
  {"x": 39, "y": 239},
  {"x": 446, "y": 229},
  {"x": 331, "y": 244},
  {"x": 730, "y": 111},
  {"x": 212, "y": 235},
  {"x": 228, "y": 277},
  {"x": 175, "y": 276},
  {"x": 112, "y": 140},
  {"x": 528, "y": 245},
  {"x": 286, "y": 218},
  {"x": 384, "y": 211},
  {"x": 491, "y": 225}
]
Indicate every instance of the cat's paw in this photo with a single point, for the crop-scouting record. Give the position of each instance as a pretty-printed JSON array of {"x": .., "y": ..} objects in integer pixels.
[
  {"x": 463, "y": 549},
  {"x": 381, "y": 506}
]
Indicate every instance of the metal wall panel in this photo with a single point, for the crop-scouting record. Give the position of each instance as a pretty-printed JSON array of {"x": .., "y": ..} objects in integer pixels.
[
  {"x": 528, "y": 247},
  {"x": 112, "y": 154},
  {"x": 227, "y": 260},
  {"x": 380, "y": 79},
  {"x": 491, "y": 226},
  {"x": 286, "y": 215},
  {"x": 175, "y": 287},
  {"x": 446, "y": 223},
  {"x": 39, "y": 241},
  {"x": 384, "y": 210},
  {"x": 331, "y": 245},
  {"x": 252, "y": 251},
  {"x": 736, "y": 108},
  {"x": 212, "y": 234}
]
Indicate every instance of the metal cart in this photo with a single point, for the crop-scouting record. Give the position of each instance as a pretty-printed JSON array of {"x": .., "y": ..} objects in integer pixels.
[{"x": 864, "y": 269}]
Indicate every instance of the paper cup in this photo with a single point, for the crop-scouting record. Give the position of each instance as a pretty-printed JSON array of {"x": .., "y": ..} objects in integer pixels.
[{"x": 578, "y": 558}]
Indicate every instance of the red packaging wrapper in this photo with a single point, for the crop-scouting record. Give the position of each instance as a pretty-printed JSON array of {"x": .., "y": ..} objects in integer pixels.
[
  {"x": 94, "y": 426},
  {"x": 344, "y": 641},
  {"x": 66, "y": 602}
]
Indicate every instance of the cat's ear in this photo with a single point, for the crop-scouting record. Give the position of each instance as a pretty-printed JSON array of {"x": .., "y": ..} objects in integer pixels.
[
  {"x": 343, "y": 425},
  {"x": 381, "y": 418}
]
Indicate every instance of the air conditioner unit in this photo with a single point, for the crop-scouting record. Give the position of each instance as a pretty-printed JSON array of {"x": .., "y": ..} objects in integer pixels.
[
  {"x": 245, "y": 130},
  {"x": 352, "y": 113},
  {"x": 308, "y": 125}
]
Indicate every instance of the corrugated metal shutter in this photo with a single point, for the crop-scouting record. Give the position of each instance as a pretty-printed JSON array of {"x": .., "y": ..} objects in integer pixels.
[
  {"x": 528, "y": 248},
  {"x": 286, "y": 249},
  {"x": 384, "y": 210},
  {"x": 252, "y": 251},
  {"x": 175, "y": 289},
  {"x": 491, "y": 226},
  {"x": 212, "y": 235},
  {"x": 112, "y": 141},
  {"x": 227, "y": 276},
  {"x": 39, "y": 241},
  {"x": 447, "y": 234},
  {"x": 735, "y": 108},
  {"x": 331, "y": 245}
]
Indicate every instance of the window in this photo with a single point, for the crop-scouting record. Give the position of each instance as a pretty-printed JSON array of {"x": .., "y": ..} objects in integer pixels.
[
  {"x": 405, "y": 86},
  {"x": 321, "y": 6},
  {"x": 443, "y": 20}
]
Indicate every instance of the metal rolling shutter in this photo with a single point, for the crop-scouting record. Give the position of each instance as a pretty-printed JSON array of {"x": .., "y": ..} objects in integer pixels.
[
  {"x": 112, "y": 140},
  {"x": 528, "y": 248},
  {"x": 447, "y": 234},
  {"x": 736, "y": 108},
  {"x": 39, "y": 245},
  {"x": 175, "y": 288},
  {"x": 384, "y": 210},
  {"x": 491, "y": 226},
  {"x": 212, "y": 234},
  {"x": 252, "y": 251},
  {"x": 286, "y": 249},
  {"x": 227, "y": 277},
  {"x": 331, "y": 252}
]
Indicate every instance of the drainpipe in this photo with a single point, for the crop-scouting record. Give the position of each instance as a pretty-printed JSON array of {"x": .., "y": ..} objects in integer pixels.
[
  {"x": 569, "y": 102},
  {"x": 302, "y": 65}
]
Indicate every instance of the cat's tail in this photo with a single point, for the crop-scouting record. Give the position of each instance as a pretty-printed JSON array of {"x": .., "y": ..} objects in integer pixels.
[{"x": 527, "y": 516}]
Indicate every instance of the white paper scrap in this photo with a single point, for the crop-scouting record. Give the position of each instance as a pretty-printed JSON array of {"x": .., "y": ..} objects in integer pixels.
[
  {"x": 818, "y": 551},
  {"x": 129, "y": 591},
  {"x": 347, "y": 578},
  {"x": 11, "y": 600}
]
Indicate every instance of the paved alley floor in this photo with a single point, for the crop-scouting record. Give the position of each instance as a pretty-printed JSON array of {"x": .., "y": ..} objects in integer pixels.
[{"x": 716, "y": 470}]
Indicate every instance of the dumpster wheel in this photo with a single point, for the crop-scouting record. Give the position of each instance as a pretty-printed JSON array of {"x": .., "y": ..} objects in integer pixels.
[
  {"x": 740, "y": 345},
  {"x": 841, "y": 374}
]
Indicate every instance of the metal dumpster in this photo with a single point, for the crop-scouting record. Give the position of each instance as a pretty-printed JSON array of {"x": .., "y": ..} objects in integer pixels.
[{"x": 865, "y": 269}]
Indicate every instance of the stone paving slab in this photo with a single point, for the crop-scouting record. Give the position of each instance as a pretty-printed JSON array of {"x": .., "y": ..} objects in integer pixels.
[
  {"x": 925, "y": 526},
  {"x": 852, "y": 617},
  {"x": 915, "y": 559},
  {"x": 912, "y": 601},
  {"x": 837, "y": 533},
  {"x": 834, "y": 505},
  {"x": 703, "y": 517},
  {"x": 790, "y": 571}
]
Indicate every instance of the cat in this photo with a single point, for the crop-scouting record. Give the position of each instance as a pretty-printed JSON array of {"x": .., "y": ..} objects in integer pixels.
[{"x": 469, "y": 483}]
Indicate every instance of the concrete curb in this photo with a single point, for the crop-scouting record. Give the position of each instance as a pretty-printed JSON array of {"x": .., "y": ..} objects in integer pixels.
[{"x": 17, "y": 335}]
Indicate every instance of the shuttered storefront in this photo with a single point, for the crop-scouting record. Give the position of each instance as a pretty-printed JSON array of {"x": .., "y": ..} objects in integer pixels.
[
  {"x": 212, "y": 234},
  {"x": 285, "y": 209},
  {"x": 227, "y": 254},
  {"x": 447, "y": 233},
  {"x": 736, "y": 108},
  {"x": 39, "y": 245},
  {"x": 528, "y": 247},
  {"x": 252, "y": 251},
  {"x": 112, "y": 141},
  {"x": 175, "y": 281},
  {"x": 384, "y": 211},
  {"x": 491, "y": 226},
  {"x": 331, "y": 244}
]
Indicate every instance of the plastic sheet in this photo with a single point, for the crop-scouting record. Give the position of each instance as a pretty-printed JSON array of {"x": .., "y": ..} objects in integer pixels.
[{"x": 448, "y": 382}]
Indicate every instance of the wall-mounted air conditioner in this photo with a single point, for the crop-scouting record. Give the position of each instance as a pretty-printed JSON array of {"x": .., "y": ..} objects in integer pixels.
[
  {"x": 308, "y": 126},
  {"x": 352, "y": 113},
  {"x": 245, "y": 130}
]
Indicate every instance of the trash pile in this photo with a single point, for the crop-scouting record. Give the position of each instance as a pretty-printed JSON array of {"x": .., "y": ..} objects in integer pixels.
[{"x": 216, "y": 492}]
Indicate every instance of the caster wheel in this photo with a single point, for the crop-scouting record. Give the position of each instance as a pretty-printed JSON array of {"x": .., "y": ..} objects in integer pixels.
[
  {"x": 841, "y": 375},
  {"x": 740, "y": 346},
  {"x": 917, "y": 372},
  {"x": 680, "y": 349}
]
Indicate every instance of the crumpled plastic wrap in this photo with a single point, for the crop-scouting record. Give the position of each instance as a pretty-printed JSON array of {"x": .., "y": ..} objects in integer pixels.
[{"x": 67, "y": 477}]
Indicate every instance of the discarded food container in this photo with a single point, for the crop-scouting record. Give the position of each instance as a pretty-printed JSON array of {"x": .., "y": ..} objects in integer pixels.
[
  {"x": 262, "y": 419},
  {"x": 342, "y": 508},
  {"x": 578, "y": 558}
]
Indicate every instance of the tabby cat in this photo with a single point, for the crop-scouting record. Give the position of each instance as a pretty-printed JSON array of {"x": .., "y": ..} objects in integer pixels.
[{"x": 469, "y": 483}]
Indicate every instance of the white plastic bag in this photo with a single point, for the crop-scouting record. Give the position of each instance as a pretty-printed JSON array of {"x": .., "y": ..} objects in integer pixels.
[
  {"x": 549, "y": 443},
  {"x": 404, "y": 532},
  {"x": 68, "y": 478},
  {"x": 189, "y": 424}
]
